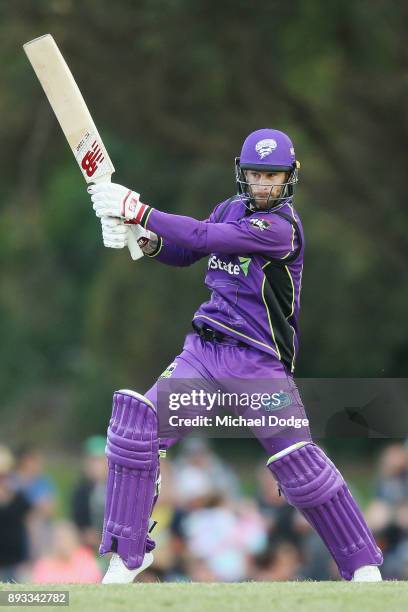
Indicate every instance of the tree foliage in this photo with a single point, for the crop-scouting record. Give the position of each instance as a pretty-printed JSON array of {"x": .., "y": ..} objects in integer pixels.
[{"x": 174, "y": 87}]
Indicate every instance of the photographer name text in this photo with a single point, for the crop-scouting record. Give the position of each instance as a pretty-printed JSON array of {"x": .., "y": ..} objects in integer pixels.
[{"x": 237, "y": 421}]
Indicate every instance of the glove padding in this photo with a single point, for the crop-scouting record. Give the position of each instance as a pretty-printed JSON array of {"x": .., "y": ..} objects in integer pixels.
[
  {"x": 113, "y": 200},
  {"x": 116, "y": 233}
]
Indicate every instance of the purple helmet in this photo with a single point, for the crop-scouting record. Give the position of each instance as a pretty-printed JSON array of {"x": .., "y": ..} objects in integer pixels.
[{"x": 267, "y": 150}]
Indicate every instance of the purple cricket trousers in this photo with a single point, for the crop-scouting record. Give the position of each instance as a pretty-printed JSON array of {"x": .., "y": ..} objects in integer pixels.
[
  {"x": 306, "y": 476},
  {"x": 238, "y": 368}
]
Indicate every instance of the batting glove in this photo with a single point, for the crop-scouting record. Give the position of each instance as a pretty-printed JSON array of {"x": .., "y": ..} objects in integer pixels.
[
  {"x": 116, "y": 234},
  {"x": 113, "y": 200}
]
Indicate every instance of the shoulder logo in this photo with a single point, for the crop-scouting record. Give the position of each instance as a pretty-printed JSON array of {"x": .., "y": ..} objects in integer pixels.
[
  {"x": 265, "y": 147},
  {"x": 169, "y": 370},
  {"x": 261, "y": 224}
]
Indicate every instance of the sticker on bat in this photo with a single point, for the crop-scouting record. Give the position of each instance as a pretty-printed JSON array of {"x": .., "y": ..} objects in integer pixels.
[{"x": 91, "y": 157}]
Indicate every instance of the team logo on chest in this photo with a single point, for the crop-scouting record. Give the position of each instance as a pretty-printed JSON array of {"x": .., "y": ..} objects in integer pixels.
[{"x": 215, "y": 263}]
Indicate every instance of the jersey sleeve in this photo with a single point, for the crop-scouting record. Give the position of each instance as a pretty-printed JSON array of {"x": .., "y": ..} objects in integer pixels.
[
  {"x": 273, "y": 238},
  {"x": 172, "y": 254}
]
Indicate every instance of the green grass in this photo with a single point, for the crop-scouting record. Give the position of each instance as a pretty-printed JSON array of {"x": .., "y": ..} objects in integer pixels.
[{"x": 244, "y": 597}]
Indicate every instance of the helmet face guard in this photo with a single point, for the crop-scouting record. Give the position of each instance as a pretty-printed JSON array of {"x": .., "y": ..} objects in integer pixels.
[{"x": 287, "y": 189}]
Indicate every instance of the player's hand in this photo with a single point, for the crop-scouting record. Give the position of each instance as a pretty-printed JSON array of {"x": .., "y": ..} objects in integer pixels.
[
  {"x": 113, "y": 200},
  {"x": 114, "y": 233},
  {"x": 146, "y": 239}
]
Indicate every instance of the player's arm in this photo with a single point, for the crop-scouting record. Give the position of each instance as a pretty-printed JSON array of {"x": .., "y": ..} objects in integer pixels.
[
  {"x": 236, "y": 237},
  {"x": 188, "y": 233},
  {"x": 201, "y": 236},
  {"x": 116, "y": 233},
  {"x": 169, "y": 252}
]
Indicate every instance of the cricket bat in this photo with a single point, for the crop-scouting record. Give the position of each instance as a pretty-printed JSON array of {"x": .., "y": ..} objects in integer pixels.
[{"x": 73, "y": 115}]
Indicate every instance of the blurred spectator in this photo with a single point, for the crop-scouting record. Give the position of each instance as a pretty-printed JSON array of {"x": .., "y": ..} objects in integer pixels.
[
  {"x": 88, "y": 500},
  {"x": 392, "y": 484},
  {"x": 224, "y": 536},
  {"x": 387, "y": 514},
  {"x": 206, "y": 531},
  {"x": 14, "y": 511},
  {"x": 199, "y": 571},
  {"x": 67, "y": 561},
  {"x": 279, "y": 514},
  {"x": 214, "y": 533},
  {"x": 280, "y": 563},
  {"x": 163, "y": 513},
  {"x": 197, "y": 466},
  {"x": 30, "y": 479},
  {"x": 286, "y": 525},
  {"x": 317, "y": 563}
]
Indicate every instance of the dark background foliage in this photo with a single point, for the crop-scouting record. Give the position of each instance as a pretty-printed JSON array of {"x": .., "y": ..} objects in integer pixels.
[{"x": 174, "y": 87}]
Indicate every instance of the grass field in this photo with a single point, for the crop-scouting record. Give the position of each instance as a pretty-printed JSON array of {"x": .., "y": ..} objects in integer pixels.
[{"x": 244, "y": 597}]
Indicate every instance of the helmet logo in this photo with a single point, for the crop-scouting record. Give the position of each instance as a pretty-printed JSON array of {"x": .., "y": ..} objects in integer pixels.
[{"x": 265, "y": 147}]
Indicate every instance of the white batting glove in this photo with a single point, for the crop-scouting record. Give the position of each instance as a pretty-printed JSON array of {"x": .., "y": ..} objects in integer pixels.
[
  {"x": 116, "y": 234},
  {"x": 113, "y": 200}
]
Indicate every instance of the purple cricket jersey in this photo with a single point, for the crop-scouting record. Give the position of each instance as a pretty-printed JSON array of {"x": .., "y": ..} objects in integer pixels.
[{"x": 254, "y": 270}]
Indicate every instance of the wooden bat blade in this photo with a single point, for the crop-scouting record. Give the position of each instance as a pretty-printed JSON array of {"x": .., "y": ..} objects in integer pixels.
[{"x": 69, "y": 107}]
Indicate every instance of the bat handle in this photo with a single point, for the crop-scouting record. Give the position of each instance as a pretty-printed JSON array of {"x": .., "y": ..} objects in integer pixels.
[{"x": 134, "y": 249}]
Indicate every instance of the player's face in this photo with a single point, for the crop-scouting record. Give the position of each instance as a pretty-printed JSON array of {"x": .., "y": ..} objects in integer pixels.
[{"x": 265, "y": 186}]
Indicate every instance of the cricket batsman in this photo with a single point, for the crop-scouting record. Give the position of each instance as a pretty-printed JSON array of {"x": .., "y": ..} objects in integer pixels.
[{"x": 247, "y": 330}]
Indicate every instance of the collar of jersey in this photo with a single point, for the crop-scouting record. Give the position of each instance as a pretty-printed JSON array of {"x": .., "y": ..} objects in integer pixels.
[{"x": 269, "y": 210}]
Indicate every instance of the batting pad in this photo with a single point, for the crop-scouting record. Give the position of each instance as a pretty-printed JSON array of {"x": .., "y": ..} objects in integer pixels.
[
  {"x": 311, "y": 483},
  {"x": 133, "y": 458}
]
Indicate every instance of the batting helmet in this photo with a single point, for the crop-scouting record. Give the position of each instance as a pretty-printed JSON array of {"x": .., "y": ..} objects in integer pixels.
[{"x": 267, "y": 150}]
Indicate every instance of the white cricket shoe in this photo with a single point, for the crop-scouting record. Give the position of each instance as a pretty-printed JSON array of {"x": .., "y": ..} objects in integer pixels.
[
  {"x": 118, "y": 573},
  {"x": 367, "y": 573}
]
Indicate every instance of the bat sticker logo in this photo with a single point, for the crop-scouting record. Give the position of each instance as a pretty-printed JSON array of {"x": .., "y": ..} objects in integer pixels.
[{"x": 92, "y": 159}]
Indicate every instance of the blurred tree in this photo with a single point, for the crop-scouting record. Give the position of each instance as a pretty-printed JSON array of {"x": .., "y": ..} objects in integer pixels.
[{"x": 174, "y": 87}]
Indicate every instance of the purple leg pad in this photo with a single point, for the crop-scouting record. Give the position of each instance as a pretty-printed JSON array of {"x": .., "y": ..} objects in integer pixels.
[
  {"x": 311, "y": 483},
  {"x": 133, "y": 458}
]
